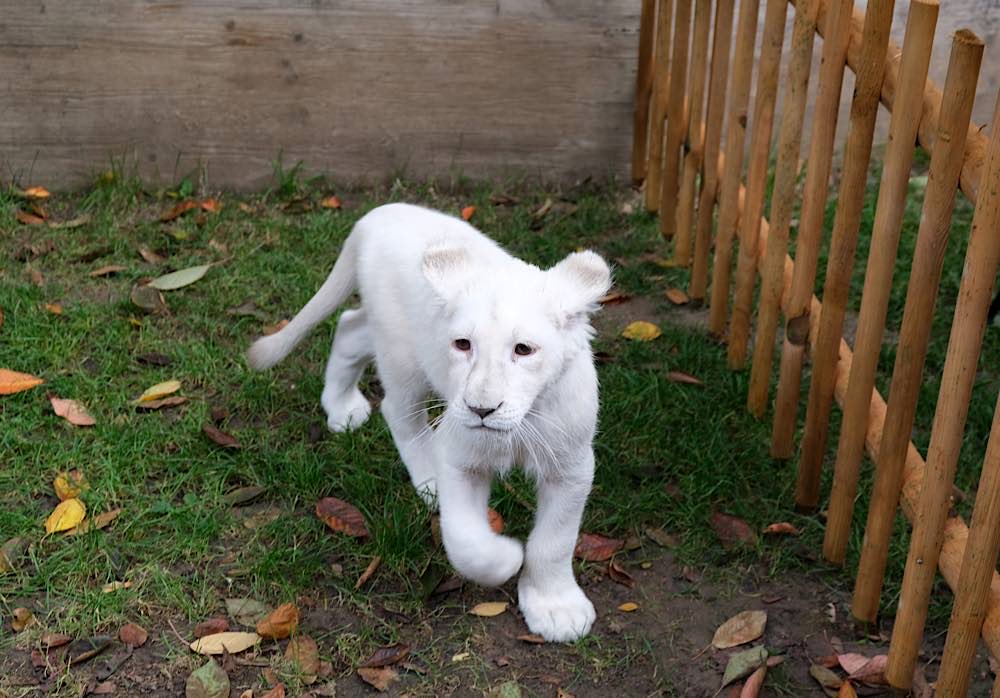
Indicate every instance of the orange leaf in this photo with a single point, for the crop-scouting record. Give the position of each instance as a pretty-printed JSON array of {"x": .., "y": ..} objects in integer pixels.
[
  {"x": 132, "y": 634},
  {"x": 379, "y": 678},
  {"x": 782, "y": 527},
  {"x": 341, "y": 516},
  {"x": 26, "y": 218},
  {"x": 751, "y": 688},
  {"x": 369, "y": 571},
  {"x": 677, "y": 296},
  {"x": 280, "y": 623},
  {"x": 211, "y": 205},
  {"x": 36, "y": 193},
  {"x": 330, "y": 202},
  {"x": 13, "y": 382},
  {"x": 107, "y": 270},
  {"x": 468, "y": 212},
  {"x": 596, "y": 548},
  {"x": 72, "y": 411},
  {"x": 179, "y": 210},
  {"x": 496, "y": 521},
  {"x": 54, "y": 308},
  {"x": 277, "y": 327},
  {"x": 681, "y": 377}
]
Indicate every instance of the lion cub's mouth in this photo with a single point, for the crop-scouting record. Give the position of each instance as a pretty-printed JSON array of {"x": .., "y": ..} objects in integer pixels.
[{"x": 489, "y": 428}]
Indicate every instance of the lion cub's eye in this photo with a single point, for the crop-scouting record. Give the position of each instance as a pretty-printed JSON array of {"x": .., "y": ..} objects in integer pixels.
[
  {"x": 462, "y": 344},
  {"x": 523, "y": 349}
]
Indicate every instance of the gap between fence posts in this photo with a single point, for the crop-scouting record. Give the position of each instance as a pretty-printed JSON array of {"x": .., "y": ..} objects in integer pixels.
[
  {"x": 643, "y": 90},
  {"x": 721, "y": 38},
  {"x": 889, "y": 210},
  {"x": 676, "y": 121},
  {"x": 810, "y": 231},
  {"x": 658, "y": 109},
  {"x": 760, "y": 148},
  {"x": 843, "y": 240},
  {"x": 729, "y": 211},
  {"x": 907, "y": 374}
]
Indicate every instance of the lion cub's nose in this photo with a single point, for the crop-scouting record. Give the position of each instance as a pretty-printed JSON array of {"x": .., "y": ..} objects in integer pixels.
[{"x": 483, "y": 411}]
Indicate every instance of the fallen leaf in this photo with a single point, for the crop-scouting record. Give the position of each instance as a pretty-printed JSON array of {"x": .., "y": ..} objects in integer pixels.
[
  {"x": 379, "y": 678},
  {"x": 341, "y": 516},
  {"x": 277, "y": 327},
  {"x": 150, "y": 256},
  {"x": 172, "y": 401},
  {"x": 387, "y": 656},
  {"x": 873, "y": 672},
  {"x": 104, "y": 688},
  {"x": 247, "y": 309},
  {"x": 95, "y": 523},
  {"x": 661, "y": 537},
  {"x": 369, "y": 571},
  {"x": 303, "y": 653},
  {"x": 65, "y": 516},
  {"x": 280, "y": 623},
  {"x": 247, "y": 611},
  {"x": 54, "y": 308},
  {"x": 36, "y": 277},
  {"x": 507, "y": 689},
  {"x": 52, "y": 640},
  {"x": 69, "y": 484},
  {"x": 744, "y": 663},
  {"x": 618, "y": 574},
  {"x": 277, "y": 692},
  {"x": 77, "y": 222},
  {"x": 488, "y": 609},
  {"x": 681, "y": 377},
  {"x": 593, "y": 547},
  {"x": 677, "y": 296},
  {"x": 751, "y": 687},
  {"x": 243, "y": 495},
  {"x": 825, "y": 677},
  {"x": 180, "y": 278},
  {"x": 36, "y": 193},
  {"x": 641, "y": 331},
  {"x": 782, "y": 528},
  {"x": 87, "y": 648},
  {"x": 148, "y": 299},
  {"x": 10, "y": 553},
  {"x": 160, "y": 390},
  {"x": 23, "y": 618},
  {"x": 496, "y": 521},
  {"x": 232, "y": 642},
  {"x": 178, "y": 210},
  {"x": 532, "y": 639},
  {"x": 219, "y": 437},
  {"x": 72, "y": 411},
  {"x": 468, "y": 212},
  {"x": 212, "y": 626},
  {"x": 732, "y": 529},
  {"x": 132, "y": 634},
  {"x": 330, "y": 202},
  {"x": 211, "y": 205},
  {"x": 628, "y": 607},
  {"x": 107, "y": 270},
  {"x": 208, "y": 681},
  {"x": 740, "y": 629},
  {"x": 14, "y": 382},
  {"x": 25, "y": 218},
  {"x": 847, "y": 691},
  {"x": 851, "y": 661},
  {"x": 115, "y": 586},
  {"x": 614, "y": 297}
]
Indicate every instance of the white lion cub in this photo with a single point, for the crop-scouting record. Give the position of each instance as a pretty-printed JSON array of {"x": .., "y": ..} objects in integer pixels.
[{"x": 446, "y": 312}]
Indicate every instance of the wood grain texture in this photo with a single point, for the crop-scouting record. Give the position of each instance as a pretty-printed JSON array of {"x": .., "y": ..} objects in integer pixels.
[{"x": 354, "y": 89}]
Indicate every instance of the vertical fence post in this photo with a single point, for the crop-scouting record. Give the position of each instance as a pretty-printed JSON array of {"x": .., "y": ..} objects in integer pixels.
[
  {"x": 782, "y": 201},
  {"x": 946, "y": 163},
  {"x": 721, "y": 38},
  {"x": 753, "y": 208},
  {"x": 694, "y": 146},
  {"x": 892, "y": 195},
  {"x": 874, "y": 43},
  {"x": 643, "y": 89},
  {"x": 836, "y": 32},
  {"x": 967, "y": 329},
  {"x": 677, "y": 121},
  {"x": 658, "y": 108},
  {"x": 978, "y": 565},
  {"x": 729, "y": 202}
]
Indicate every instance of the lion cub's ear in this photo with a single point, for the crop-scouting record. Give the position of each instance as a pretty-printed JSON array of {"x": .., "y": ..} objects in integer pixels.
[
  {"x": 445, "y": 269},
  {"x": 580, "y": 279}
]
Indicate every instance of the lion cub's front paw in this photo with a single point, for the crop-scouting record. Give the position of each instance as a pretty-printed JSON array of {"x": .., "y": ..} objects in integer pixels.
[
  {"x": 559, "y": 614},
  {"x": 488, "y": 562},
  {"x": 344, "y": 414}
]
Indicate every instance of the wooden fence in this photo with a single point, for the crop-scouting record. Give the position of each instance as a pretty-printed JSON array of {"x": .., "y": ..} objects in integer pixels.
[{"x": 683, "y": 108}]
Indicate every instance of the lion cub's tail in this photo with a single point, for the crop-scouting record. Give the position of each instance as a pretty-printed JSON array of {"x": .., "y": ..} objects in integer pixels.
[{"x": 267, "y": 351}]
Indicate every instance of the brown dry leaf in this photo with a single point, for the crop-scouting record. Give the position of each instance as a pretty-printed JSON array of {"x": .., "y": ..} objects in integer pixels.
[
  {"x": 36, "y": 193},
  {"x": 246, "y": 611},
  {"x": 95, "y": 523},
  {"x": 115, "y": 586},
  {"x": 107, "y": 270},
  {"x": 72, "y": 411},
  {"x": 23, "y": 618},
  {"x": 330, "y": 202},
  {"x": 782, "y": 528},
  {"x": 851, "y": 661},
  {"x": 379, "y": 678},
  {"x": 277, "y": 692},
  {"x": 751, "y": 687},
  {"x": 596, "y": 548},
  {"x": 488, "y": 609},
  {"x": 732, "y": 529},
  {"x": 132, "y": 634},
  {"x": 231, "y": 642},
  {"x": 618, "y": 574},
  {"x": 563, "y": 693},
  {"x": 280, "y": 623},
  {"x": 148, "y": 299},
  {"x": 614, "y": 297},
  {"x": 873, "y": 671},
  {"x": 369, "y": 571},
  {"x": 341, "y": 516},
  {"x": 468, "y": 212},
  {"x": 641, "y": 331},
  {"x": 65, "y": 516},
  {"x": 628, "y": 607},
  {"x": 825, "y": 677},
  {"x": 847, "y": 691},
  {"x": 387, "y": 656},
  {"x": 303, "y": 652},
  {"x": 661, "y": 537},
  {"x": 211, "y": 626},
  {"x": 14, "y": 382},
  {"x": 36, "y": 277},
  {"x": 219, "y": 437},
  {"x": 69, "y": 484},
  {"x": 496, "y": 521},
  {"x": 532, "y": 639},
  {"x": 77, "y": 222},
  {"x": 54, "y": 308},
  {"x": 179, "y": 210},
  {"x": 25, "y": 218},
  {"x": 744, "y": 627},
  {"x": 677, "y": 296},
  {"x": 52, "y": 640},
  {"x": 172, "y": 401},
  {"x": 211, "y": 205},
  {"x": 277, "y": 327},
  {"x": 150, "y": 256},
  {"x": 158, "y": 391},
  {"x": 681, "y": 377}
]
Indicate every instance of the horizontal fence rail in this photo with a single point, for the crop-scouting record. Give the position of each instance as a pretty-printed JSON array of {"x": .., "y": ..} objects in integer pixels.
[{"x": 733, "y": 192}]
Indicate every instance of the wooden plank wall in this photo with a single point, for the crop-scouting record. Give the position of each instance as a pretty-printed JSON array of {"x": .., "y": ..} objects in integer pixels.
[{"x": 356, "y": 89}]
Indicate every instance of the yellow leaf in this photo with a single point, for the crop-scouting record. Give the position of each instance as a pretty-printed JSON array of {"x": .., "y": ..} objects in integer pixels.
[
  {"x": 628, "y": 607},
  {"x": 641, "y": 331},
  {"x": 69, "y": 485},
  {"x": 488, "y": 609},
  {"x": 330, "y": 202},
  {"x": 231, "y": 642},
  {"x": 13, "y": 382},
  {"x": 160, "y": 390},
  {"x": 23, "y": 618},
  {"x": 97, "y": 522},
  {"x": 54, "y": 308},
  {"x": 115, "y": 586},
  {"x": 36, "y": 193},
  {"x": 68, "y": 514}
]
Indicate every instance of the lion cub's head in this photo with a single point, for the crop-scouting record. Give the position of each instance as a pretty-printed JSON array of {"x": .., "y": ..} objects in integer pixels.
[{"x": 512, "y": 330}]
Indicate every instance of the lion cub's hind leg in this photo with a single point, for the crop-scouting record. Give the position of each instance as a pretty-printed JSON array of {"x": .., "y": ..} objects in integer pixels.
[{"x": 346, "y": 408}]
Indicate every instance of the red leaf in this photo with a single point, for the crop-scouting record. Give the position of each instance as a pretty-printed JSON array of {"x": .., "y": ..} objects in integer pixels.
[
  {"x": 341, "y": 516},
  {"x": 596, "y": 548},
  {"x": 732, "y": 529}
]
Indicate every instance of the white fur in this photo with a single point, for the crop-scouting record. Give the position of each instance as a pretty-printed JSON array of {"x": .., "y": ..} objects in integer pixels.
[{"x": 426, "y": 280}]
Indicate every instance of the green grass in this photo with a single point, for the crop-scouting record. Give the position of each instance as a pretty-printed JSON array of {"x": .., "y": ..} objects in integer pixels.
[{"x": 668, "y": 455}]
